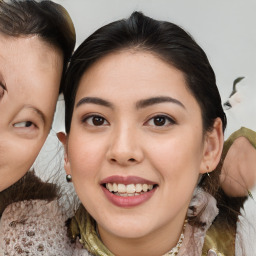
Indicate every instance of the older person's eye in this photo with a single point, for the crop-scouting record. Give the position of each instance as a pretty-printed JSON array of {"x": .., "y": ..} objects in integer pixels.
[
  {"x": 25, "y": 124},
  {"x": 26, "y": 129}
]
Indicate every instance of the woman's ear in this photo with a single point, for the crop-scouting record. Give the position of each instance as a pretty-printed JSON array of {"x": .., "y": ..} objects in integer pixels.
[
  {"x": 213, "y": 145},
  {"x": 63, "y": 139}
]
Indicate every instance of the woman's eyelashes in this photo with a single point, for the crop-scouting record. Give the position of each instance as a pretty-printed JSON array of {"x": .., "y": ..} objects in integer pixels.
[
  {"x": 94, "y": 120},
  {"x": 157, "y": 121},
  {"x": 160, "y": 121}
]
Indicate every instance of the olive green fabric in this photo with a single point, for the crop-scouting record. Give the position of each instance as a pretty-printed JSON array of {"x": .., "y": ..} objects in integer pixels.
[
  {"x": 242, "y": 132},
  {"x": 220, "y": 236},
  {"x": 83, "y": 226}
]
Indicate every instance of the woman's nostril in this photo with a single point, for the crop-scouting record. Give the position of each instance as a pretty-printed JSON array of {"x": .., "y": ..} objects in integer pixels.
[{"x": 130, "y": 160}]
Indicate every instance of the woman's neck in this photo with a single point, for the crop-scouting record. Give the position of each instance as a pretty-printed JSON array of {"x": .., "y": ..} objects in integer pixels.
[{"x": 158, "y": 242}]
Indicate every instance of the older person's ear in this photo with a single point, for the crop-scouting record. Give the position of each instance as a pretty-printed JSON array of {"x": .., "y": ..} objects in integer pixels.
[
  {"x": 213, "y": 145},
  {"x": 63, "y": 139}
]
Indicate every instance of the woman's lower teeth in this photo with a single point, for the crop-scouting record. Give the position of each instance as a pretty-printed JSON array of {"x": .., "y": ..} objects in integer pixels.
[{"x": 126, "y": 194}]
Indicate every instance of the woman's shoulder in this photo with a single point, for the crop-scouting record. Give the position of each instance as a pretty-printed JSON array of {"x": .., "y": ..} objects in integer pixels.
[{"x": 34, "y": 226}]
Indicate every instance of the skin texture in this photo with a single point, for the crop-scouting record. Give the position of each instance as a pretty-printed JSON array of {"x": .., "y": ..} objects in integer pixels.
[
  {"x": 239, "y": 169},
  {"x": 129, "y": 143},
  {"x": 30, "y": 73}
]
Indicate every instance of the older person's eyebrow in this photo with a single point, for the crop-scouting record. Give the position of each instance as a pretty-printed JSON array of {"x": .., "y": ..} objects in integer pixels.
[
  {"x": 37, "y": 111},
  {"x": 157, "y": 100},
  {"x": 94, "y": 100}
]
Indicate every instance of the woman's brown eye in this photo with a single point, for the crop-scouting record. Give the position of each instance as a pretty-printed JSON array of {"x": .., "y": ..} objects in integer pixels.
[
  {"x": 159, "y": 121},
  {"x": 97, "y": 120}
]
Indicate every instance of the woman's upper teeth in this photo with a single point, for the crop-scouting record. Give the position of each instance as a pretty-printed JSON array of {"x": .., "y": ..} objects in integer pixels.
[{"x": 128, "y": 189}]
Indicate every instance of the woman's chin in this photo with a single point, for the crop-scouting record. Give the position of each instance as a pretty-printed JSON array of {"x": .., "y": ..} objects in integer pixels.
[{"x": 128, "y": 232}]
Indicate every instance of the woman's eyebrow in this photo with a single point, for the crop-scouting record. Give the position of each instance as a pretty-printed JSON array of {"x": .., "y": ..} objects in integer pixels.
[
  {"x": 156, "y": 100},
  {"x": 94, "y": 100}
]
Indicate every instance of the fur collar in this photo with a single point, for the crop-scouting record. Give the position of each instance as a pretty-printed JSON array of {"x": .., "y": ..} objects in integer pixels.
[{"x": 28, "y": 188}]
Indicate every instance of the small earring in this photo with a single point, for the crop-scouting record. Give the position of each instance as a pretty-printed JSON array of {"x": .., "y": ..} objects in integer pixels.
[
  {"x": 207, "y": 167},
  {"x": 68, "y": 178}
]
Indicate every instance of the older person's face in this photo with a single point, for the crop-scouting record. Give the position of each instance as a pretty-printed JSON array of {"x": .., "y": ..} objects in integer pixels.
[{"x": 30, "y": 74}]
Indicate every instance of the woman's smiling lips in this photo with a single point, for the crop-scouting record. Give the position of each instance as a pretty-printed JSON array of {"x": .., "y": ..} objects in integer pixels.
[{"x": 128, "y": 191}]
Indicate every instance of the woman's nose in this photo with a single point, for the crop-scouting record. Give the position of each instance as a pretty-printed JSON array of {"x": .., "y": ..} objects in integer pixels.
[{"x": 125, "y": 147}]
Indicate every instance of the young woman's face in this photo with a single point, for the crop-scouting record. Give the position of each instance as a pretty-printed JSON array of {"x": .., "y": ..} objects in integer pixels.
[
  {"x": 30, "y": 73},
  {"x": 136, "y": 145}
]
